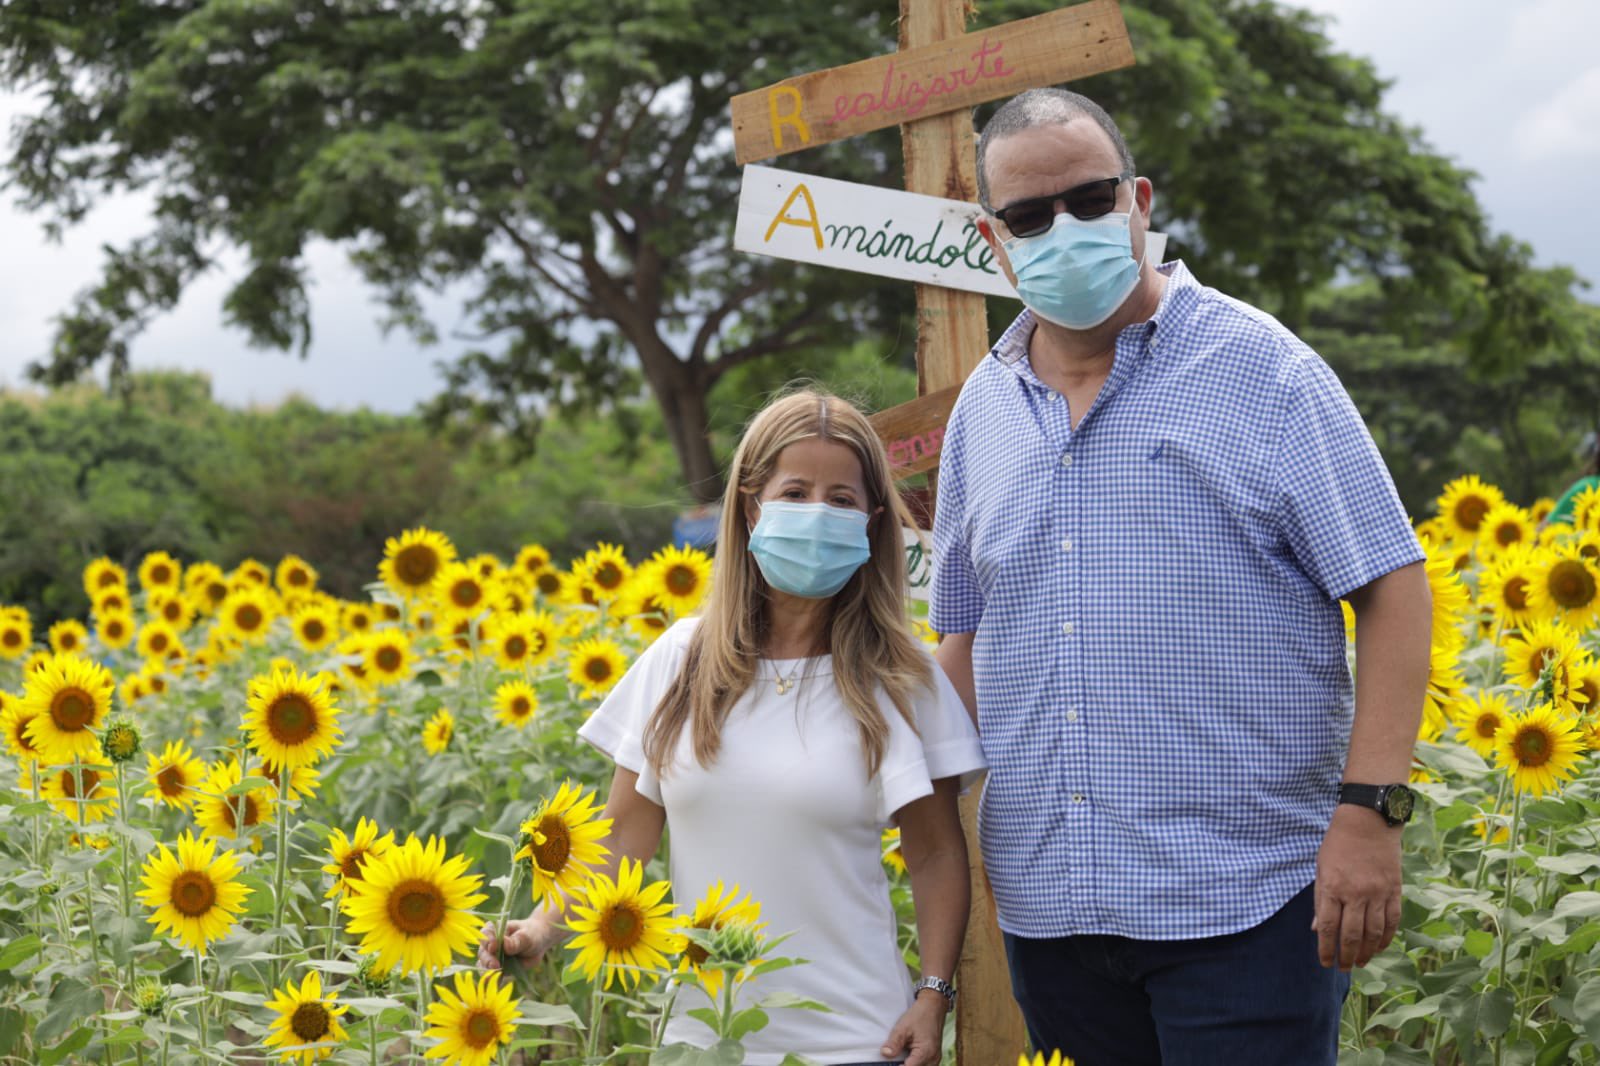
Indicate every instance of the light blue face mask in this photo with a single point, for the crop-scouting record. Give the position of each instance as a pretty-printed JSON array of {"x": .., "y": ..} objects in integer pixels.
[
  {"x": 809, "y": 549},
  {"x": 1079, "y": 271}
]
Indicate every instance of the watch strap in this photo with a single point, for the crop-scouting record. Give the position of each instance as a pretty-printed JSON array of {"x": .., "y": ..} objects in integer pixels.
[
  {"x": 941, "y": 986},
  {"x": 1363, "y": 796}
]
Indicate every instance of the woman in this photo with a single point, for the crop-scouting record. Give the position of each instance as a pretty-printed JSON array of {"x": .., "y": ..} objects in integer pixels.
[{"x": 779, "y": 733}]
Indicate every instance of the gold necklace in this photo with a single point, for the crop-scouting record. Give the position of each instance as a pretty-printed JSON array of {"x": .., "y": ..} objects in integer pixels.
[{"x": 786, "y": 683}]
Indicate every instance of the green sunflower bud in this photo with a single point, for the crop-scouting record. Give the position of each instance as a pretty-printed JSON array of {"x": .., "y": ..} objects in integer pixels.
[
  {"x": 372, "y": 977},
  {"x": 150, "y": 997},
  {"x": 121, "y": 741}
]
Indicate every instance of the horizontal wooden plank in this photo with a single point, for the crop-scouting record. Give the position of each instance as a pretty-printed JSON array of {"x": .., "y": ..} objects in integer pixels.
[
  {"x": 913, "y": 433},
  {"x": 888, "y": 90}
]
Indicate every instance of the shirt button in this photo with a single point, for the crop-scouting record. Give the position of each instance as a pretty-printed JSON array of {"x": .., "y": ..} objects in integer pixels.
[
  {"x": 1066, "y": 544},
  {"x": 1077, "y": 797},
  {"x": 1066, "y": 460},
  {"x": 1072, "y": 714},
  {"x": 1067, "y": 628}
]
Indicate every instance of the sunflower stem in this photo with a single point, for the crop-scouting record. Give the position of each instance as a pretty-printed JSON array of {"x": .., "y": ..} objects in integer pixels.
[
  {"x": 372, "y": 1039},
  {"x": 591, "y": 1039},
  {"x": 422, "y": 1014},
  {"x": 1511, "y": 881},
  {"x": 200, "y": 1005},
  {"x": 38, "y": 851},
  {"x": 127, "y": 885},
  {"x": 285, "y": 774},
  {"x": 1488, "y": 837},
  {"x": 512, "y": 885}
]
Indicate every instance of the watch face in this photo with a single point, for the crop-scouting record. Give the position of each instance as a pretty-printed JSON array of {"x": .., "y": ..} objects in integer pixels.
[{"x": 1399, "y": 803}]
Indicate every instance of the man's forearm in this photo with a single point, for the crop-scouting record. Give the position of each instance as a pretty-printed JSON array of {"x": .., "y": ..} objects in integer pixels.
[{"x": 1394, "y": 617}]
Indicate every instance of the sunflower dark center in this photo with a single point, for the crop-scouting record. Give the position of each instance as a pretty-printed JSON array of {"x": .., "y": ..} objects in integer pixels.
[
  {"x": 597, "y": 669},
  {"x": 115, "y": 629},
  {"x": 694, "y": 952},
  {"x": 549, "y": 583},
  {"x": 540, "y": 643},
  {"x": 480, "y": 1029},
  {"x": 248, "y": 617},
  {"x": 160, "y": 574},
  {"x": 515, "y": 646},
  {"x": 193, "y": 894},
  {"x": 1470, "y": 511},
  {"x": 1517, "y": 594},
  {"x": 11, "y": 638},
  {"x": 466, "y": 594},
  {"x": 416, "y": 907},
  {"x": 552, "y": 855},
  {"x": 299, "y": 577},
  {"x": 1571, "y": 584},
  {"x": 1488, "y": 725},
  {"x": 172, "y": 610},
  {"x": 230, "y": 811},
  {"x": 170, "y": 781},
  {"x": 520, "y": 707},
  {"x": 291, "y": 719},
  {"x": 216, "y": 592},
  {"x": 313, "y": 629},
  {"x": 69, "y": 783},
  {"x": 350, "y": 865},
  {"x": 107, "y": 579},
  {"x": 416, "y": 565},
  {"x": 608, "y": 575},
  {"x": 310, "y": 1022},
  {"x": 682, "y": 580},
  {"x": 68, "y": 641},
  {"x": 72, "y": 709},
  {"x": 388, "y": 659},
  {"x": 1532, "y": 746},
  {"x": 621, "y": 927}
]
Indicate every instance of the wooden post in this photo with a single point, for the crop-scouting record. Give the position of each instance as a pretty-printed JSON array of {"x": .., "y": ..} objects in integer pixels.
[{"x": 952, "y": 336}]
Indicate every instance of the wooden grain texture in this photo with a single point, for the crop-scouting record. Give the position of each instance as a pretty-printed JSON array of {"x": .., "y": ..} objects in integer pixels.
[
  {"x": 952, "y": 335},
  {"x": 913, "y": 433},
  {"x": 942, "y": 72}
]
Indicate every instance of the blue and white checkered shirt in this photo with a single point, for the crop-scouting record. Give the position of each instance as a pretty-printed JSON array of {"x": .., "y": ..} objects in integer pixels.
[{"x": 1163, "y": 692}]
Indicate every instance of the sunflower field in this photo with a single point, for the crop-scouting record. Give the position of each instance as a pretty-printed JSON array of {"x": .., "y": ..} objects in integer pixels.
[{"x": 243, "y": 820}]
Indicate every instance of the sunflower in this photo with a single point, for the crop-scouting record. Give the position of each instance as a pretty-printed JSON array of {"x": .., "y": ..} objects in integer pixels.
[
  {"x": 438, "y": 730},
  {"x": 509, "y": 593},
  {"x": 173, "y": 609},
  {"x": 195, "y": 893},
  {"x": 303, "y": 780},
  {"x": 532, "y": 559},
  {"x": 68, "y": 637},
  {"x": 206, "y": 586},
  {"x": 291, "y": 721},
  {"x": 460, "y": 587},
  {"x": 219, "y": 814},
  {"x": 315, "y": 626},
  {"x": 1505, "y": 526},
  {"x": 414, "y": 907},
  {"x": 562, "y": 842},
  {"x": 1465, "y": 503},
  {"x": 1450, "y": 598},
  {"x": 544, "y": 636},
  {"x": 595, "y": 665},
  {"x": 16, "y": 635},
  {"x": 1539, "y": 646},
  {"x": 114, "y": 629},
  {"x": 472, "y": 1022},
  {"x": 893, "y": 857},
  {"x": 605, "y": 571},
  {"x": 358, "y": 617},
  {"x": 1444, "y": 687},
  {"x": 413, "y": 560},
  {"x": 515, "y": 703},
  {"x": 679, "y": 578},
  {"x": 1567, "y": 584},
  {"x": 718, "y": 907},
  {"x": 1539, "y": 750},
  {"x": 548, "y": 581},
  {"x": 247, "y": 614},
  {"x": 85, "y": 793},
  {"x": 462, "y": 635},
  {"x": 350, "y": 853},
  {"x": 157, "y": 640},
  {"x": 1480, "y": 719},
  {"x": 176, "y": 776},
  {"x": 621, "y": 926},
  {"x": 1055, "y": 1059},
  {"x": 101, "y": 576},
  {"x": 159, "y": 572},
  {"x": 295, "y": 575},
  {"x": 386, "y": 655},
  {"x": 252, "y": 572},
  {"x": 1586, "y": 509},
  {"x": 14, "y": 719},
  {"x": 352, "y": 655},
  {"x": 113, "y": 601},
  {"x": 638, "y": 604},
  {"x": 510, "y": 634},
  {"x": 1504, "y": 584},
  {"x": 70, "y": 697},
  {"x": 307, "y": 1025}
]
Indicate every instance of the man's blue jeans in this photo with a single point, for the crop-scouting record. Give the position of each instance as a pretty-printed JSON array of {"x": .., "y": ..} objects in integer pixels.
[{"x": 1253, "y": 998}]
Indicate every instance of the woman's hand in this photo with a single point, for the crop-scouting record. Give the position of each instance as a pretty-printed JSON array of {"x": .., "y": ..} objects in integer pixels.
[
  {"x": 526, "y": 940},
  {"x": 919, "y": 1034}
]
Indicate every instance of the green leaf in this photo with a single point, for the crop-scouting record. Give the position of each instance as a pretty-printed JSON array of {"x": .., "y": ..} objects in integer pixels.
[
  {"x": 1478, "y": 943},
  {"x": 1578, "y": 905},
  {"x": 1586, "y": 1008},
  {"x": 19, "y": 951},
  {"x": 429, "y": 679},
  {"x": 71, "y": 1045},
  {"x": 250, "y": 784},
  {"x": 71, "y": 1001},
  {"x": 1495, "y": 1011},
  {"x": 498, "y": 838},
  {"x": 749, "y": 1020},
  {"x": 536, "y": 1013},
  {"x": 12, "y": 1022},
  {"x": 128, "y": 1034},
  {"x": 1572, "y": 862},
  {"x": 791, "y": 1001}
]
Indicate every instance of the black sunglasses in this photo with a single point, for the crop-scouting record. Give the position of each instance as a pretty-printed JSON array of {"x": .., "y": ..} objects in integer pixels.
[{"x": 1029, "y": 218}]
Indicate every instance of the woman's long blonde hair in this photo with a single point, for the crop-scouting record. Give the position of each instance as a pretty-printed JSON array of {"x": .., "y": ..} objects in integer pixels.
[{"x": 867, "y": 632}]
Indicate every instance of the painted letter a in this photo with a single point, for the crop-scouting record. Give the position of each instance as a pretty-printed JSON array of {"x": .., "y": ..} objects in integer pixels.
[
  {"x": 792, "y": 118},
  {"x": 809, "y": 221}
]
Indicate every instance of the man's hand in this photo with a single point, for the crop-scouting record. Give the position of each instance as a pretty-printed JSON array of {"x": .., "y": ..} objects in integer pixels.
[
  {"x": 1358, "y": 887},
  {"x": 919, "y": 1034},
  {"x": 526, "y": 941}
]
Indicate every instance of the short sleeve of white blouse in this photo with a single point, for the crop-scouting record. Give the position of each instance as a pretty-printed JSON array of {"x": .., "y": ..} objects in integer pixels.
[{"x": 788, "y": 812}]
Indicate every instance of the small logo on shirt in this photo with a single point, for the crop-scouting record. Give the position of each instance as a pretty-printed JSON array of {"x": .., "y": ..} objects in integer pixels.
[{"x": 1156, "y": 454}]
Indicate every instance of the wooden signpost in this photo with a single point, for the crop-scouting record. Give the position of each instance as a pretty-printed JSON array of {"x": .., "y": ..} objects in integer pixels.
[{"x": 926, "y": 88}]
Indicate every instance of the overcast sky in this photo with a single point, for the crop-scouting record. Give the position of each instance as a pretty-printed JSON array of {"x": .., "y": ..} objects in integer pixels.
[{"x": 1511, "y": 91}]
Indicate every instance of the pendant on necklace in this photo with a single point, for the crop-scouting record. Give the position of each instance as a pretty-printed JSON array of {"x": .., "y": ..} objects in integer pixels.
[{"x": 784, "y": 685}]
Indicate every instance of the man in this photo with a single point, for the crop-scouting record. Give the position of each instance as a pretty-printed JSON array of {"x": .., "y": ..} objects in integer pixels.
[{"x": 1151, "y": 499}]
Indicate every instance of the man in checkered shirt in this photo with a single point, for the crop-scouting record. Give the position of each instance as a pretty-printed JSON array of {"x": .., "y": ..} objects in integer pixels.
[{"x": 1151, "y": 499}]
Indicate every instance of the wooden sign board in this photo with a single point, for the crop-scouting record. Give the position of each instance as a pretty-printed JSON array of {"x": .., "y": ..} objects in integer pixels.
[
  {"x": 850, "y": 226},
  {"x": 950, "y": 75},
  {"x": 913, "y": 433}
]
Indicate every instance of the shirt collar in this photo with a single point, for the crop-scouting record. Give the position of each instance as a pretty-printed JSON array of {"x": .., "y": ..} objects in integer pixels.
[{"x": 1177, "y": 302}]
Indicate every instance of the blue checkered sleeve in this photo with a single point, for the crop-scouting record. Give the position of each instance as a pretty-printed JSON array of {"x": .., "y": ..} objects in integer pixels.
[
  {"x": 955, "y": 602},
  {"x": 1336, "y": 504}
]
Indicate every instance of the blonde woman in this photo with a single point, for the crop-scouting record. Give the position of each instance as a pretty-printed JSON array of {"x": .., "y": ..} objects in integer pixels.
[{"x": 779, "y": 733}]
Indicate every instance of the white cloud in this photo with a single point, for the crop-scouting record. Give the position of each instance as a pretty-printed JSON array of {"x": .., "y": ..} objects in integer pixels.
[{"x": 1566, "y": 125}]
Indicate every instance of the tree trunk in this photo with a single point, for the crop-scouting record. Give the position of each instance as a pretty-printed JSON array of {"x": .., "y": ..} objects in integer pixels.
[{"x": 680, "y": 388}]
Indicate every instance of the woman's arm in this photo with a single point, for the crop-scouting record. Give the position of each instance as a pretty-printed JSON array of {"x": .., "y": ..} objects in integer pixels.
[
  {"x": 636, "y": 825},
  {"x": 935, "y": 851}
]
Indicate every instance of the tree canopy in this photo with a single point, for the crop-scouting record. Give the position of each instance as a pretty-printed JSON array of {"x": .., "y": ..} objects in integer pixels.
[{"x": 571, "y": 163}]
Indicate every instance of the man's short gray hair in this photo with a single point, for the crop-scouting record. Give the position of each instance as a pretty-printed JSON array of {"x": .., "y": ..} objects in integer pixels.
[{"x": 1045, "y": 107}]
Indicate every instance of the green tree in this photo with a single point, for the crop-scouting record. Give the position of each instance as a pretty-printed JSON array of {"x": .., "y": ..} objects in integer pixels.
[{"x": 570, "y": 164}]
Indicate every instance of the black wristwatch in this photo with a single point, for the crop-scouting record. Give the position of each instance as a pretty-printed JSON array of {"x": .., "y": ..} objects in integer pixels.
[{"x": 1394, "y": 802}]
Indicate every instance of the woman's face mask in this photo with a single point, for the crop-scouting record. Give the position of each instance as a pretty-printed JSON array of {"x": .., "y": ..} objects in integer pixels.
[{"x": 809, "y": 550}]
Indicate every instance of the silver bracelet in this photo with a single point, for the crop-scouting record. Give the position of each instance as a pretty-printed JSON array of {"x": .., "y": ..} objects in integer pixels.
[{"x": 941, "y": 986}]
